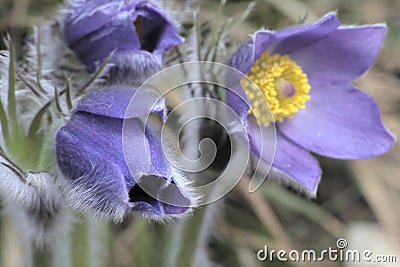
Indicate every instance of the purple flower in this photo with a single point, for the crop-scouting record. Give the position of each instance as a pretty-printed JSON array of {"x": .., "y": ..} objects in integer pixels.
[
  {"x": 305, "y": 73},
  {"x": 136, "y": 32},
  {"x": 109, "y": 156}
]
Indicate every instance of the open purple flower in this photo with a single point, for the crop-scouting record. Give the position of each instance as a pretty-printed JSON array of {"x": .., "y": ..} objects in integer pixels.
[
  {"x": 136, "y": 32},
  {"x": 93, "y": 158},
  {"x": 304, "y": 73}
]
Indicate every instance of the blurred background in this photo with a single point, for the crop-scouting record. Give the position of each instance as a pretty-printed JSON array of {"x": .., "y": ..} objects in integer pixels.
[{"x": 357, "y": 200}]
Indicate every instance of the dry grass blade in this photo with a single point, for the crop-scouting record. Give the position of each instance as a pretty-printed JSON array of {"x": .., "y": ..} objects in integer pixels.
[
  {"x": 307, "y": 208},
  {"x": 245, "y": 238},
  {"x": 379, "y": 196},
  {"x": 265, "y": 213}
]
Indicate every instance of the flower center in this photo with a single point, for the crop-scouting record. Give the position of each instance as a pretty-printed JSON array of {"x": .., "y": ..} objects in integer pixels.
[{"x": 283, "y": 84}]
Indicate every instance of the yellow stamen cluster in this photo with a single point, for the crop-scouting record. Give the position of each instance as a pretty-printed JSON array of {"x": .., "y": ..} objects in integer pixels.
[{"x": 282, "y": 83}]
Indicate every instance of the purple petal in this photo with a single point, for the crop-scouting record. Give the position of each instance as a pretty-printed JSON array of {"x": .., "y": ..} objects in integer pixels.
[
  {"x": 92, "y": 162},
  {"x": 171, "y": 195},
  {"x": 283, "y": 41},
  {"x": 243, "y": 58},
  {"x": 342, "y": 56},
  {"x": 89, "y": 17},
  {"x": 90, "y": 156},
  {"x": 95, "y": 29},
  {"x": 152, "y": 26},
  {"x": 339, "y": 121},
  {"x": 122, "y": 102},
  {"x": 248, "y": 53},
  {"x": 162, "y": 182},
  {"x": 262, "y": 41},
  {"x": 293, "y": 164},
  {"x": 295, "y": 38},
  {"x": 93, "y": 44},
  {"x": 237, "y": 99}
]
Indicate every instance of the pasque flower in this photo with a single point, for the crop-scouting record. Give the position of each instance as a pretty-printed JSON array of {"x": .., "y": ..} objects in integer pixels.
[
  {"x": 305, "y": 73},
  {"x": 105, "y": 176},
  {"x": 136, "y": 32}
]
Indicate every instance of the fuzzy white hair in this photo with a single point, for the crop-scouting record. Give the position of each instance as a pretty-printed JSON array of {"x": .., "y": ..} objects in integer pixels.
[{"x": 39, "y": 205}]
